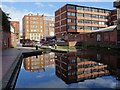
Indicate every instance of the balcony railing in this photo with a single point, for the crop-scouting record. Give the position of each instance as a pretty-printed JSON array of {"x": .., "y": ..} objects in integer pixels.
[{"x": 117, "y": 4}]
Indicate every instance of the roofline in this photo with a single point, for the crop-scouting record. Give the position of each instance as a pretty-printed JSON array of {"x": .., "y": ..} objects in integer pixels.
[{"x": 89, "y": 7}]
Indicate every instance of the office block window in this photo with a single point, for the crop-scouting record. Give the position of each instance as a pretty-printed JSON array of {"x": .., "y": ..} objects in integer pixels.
[
  {"x": 71, "y": 14},
  {"x": 80, "y": 27},
  {"x": 80, "y": 14},
  {"x": 79, "y": 8},
  {"x": 103, "y": 23},
  {"x": 71, "y": 7},
  {"x": 94, "y": 10},
  {"x": 80, "y": 21},
  {"x": 87, "y": 22},
  {"x": 102, "y": 17},
  {"x": 94, "y": 16},
  {"x": 102, "y": 11},
  {"x": 87, "y": 15},
  {"x": 87, "y": 28},
  {"x": 87, "y": 9},
  {"x": 95, "y": 22},
  {"x": 71, "y": 20},
  {"x": 95, "y": 28},
  {"x": 71, "y": 27}
]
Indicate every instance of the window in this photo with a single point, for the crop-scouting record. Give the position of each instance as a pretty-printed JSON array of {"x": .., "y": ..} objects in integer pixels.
[
  {"x": 71, "y": 14},
  {"x": 95, "y": 28},
  {"x": 71, "y": 27},
  {"x": 94, "y": 10},
  {"x": 71, "y": 7},
  {"x": 79, "y": 8},
  {"x": 102, "y": 11},
  {"x": 94, "y": 16},
  {"x": 87, "y": 9},
  {"x": 103, "y": 23},
  {"x": 71, "y": 20},
  {"x": 40, "y": 26},
  {"x": 87, "y": 28},
  {"x": 80, "y": 27},
  {"x": 107, "y": 12},
  {"x": 41, "y": 18},
  {"x": 102, "y": 17},
  {"x": 95, "y": 22},
  {"x": 87, "y": 15},
  {"x": 80, "y": 21},
  {"x": 98, "y": 37},
  {"x": 80, "y": 14},
  {"x": 33, "y": 26},
  {"x": 87, "y": 22}
]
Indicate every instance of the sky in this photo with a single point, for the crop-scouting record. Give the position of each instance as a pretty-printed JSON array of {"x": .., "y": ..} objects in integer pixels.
[{"x": 17, "y": 10}]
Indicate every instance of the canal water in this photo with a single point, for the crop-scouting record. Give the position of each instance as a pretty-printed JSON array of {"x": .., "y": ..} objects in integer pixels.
[{"x": 81, "y": 69}]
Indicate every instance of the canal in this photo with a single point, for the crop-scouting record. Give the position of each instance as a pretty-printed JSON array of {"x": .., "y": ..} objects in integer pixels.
[{"x": 81, "y": 69}]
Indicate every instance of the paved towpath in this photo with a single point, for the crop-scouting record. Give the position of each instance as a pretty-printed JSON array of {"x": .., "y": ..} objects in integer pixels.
[{"x": 7, "y": 57}]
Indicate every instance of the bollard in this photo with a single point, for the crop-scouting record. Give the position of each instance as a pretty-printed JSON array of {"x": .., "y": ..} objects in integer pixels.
[{"x": 36, "y": 47}]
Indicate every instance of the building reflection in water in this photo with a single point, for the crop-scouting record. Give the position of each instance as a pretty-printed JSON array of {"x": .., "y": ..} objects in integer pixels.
[
  {"x": 74, "y": 67},
  {"x": 40, "y": 62}
]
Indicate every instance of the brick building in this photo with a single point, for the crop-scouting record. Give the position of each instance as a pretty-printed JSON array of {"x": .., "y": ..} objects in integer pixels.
[
  {"x": 13, "y": 36},
  {"x": 37, "y": 63},
  {"x": 37, "y": 26},
  {"x": 78, "y": 66},
  {"x": 15, "y": 25},
  {"x": 48, "y": 26},
  {"x": 117, "y": 5},
  {"x": 70, "y": 20},
  {"x": 5, "y": 40},
  {"x": 113, "y": 17}
]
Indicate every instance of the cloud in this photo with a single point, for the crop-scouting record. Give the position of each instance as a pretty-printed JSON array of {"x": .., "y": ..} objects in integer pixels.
[
  {"x": 50, "y": 5},
  {"x": 39, "y": 4},
  {"x": 17, "y": 15}
]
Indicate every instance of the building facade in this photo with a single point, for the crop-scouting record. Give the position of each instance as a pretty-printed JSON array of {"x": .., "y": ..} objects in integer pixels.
[
  {"x": 38, "y": 63},
  {"x": 36, "y": 27},
  {"x": 15, "y": 25},
  {"x": 48, "y": 26},
  {"x": 117, "y": 5},
  {"x": 77, "y": 66},
  {"x": 71, "y": 20},
  {"x": 5, "y": 35},
  {"x": 13, "y": 36},
  {"x": 113, "y": 17},
  {"x": 33, "y": 27},
  {"x": 86, "y": 64}
]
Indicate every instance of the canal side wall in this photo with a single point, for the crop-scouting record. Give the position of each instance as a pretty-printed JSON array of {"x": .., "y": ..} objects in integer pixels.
[{"x": 10, "y": 78}]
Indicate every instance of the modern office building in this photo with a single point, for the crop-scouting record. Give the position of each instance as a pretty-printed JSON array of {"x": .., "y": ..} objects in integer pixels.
[
  {"x": 37, "y": 26},
  {"x": 70, "y": 20},
  {"x": 74, "y": 67}
]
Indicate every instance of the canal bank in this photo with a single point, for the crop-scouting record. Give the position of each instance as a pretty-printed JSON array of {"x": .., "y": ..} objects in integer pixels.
[{"x": 11, "y": 62}]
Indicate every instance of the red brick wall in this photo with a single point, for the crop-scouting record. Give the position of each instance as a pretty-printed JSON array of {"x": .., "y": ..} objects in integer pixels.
[{"x": 6, "y": 40}]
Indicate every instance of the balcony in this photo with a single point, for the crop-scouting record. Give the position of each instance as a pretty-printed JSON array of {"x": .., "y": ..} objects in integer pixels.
[{"x": 117, "y": 4}]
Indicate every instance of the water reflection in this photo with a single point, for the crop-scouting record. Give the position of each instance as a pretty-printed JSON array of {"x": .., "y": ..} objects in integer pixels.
[
  {"x": 74, "y": 67},
  {"x": 39, "y": 62},
  {"x": 81, "y": 69}
]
